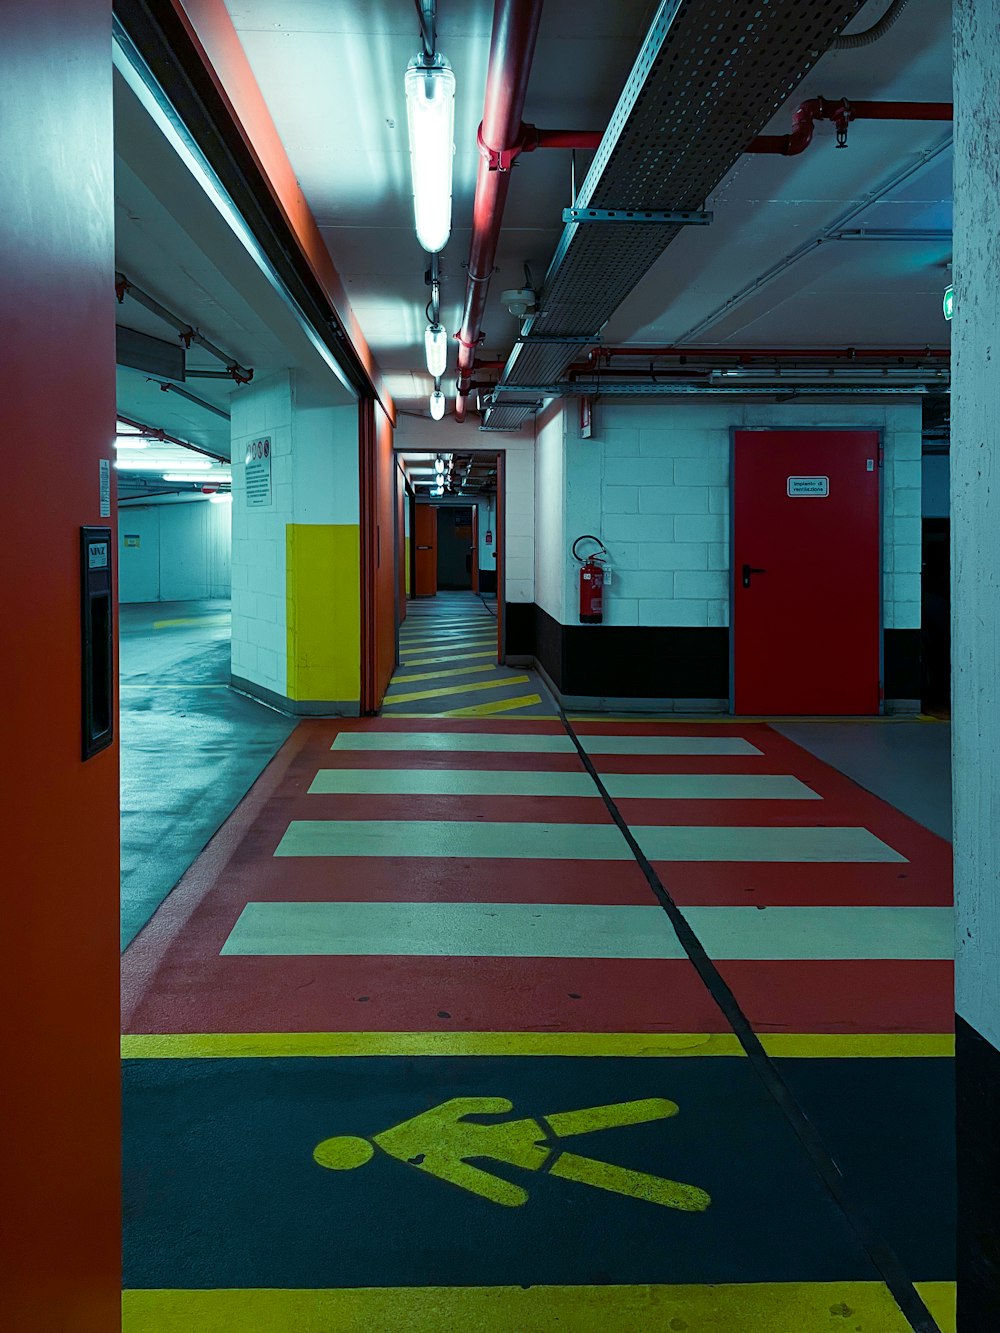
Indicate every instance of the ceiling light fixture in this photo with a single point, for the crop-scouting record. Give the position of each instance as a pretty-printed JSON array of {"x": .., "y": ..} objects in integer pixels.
[
  {"x": 221, "y": 498},
  {"x": 131, "y": 444},
  {"x": 198, "y": 477},
  {"x": 436, "y": 349},
  {"x": 430, "y": 114},
  {"x": 158, "y": 464},
  {"x": 437, "y": 405},
  {"x": 439, "y": 465}
]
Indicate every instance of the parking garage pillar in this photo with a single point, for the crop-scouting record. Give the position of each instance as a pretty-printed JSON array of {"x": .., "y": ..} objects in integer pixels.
[
  {"x": 975, "y": 504},
  {"x": 295, "y": 559}
]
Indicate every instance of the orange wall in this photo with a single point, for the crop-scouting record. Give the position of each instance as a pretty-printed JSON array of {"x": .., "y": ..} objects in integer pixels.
[{"x": 59, "y": 1116}]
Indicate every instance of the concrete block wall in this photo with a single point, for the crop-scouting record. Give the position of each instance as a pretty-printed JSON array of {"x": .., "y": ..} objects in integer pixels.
[
  {"x": 264, "y": 408},
  {"x": 653, "y": 482}
]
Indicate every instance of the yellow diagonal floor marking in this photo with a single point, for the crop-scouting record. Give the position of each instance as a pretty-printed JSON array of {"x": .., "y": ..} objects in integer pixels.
[
  {"x": 500, "y": 706},
  {"x": 440, "y": 675},
  {"x": 455, "y": 689},
  {"x": 436, "y": 645},
  {"x": 454, "y": 657}
]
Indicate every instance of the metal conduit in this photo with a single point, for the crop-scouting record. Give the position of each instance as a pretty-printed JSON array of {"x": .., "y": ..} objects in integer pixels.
[
  {"x": 187, "y": 333},
  {"x": 708, "y": 78}
]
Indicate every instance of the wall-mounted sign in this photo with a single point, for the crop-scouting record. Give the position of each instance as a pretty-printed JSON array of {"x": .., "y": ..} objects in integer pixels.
[
  {"x": 97, "y": 555},
  {"x": 131, "y": 539},
  {"x": 105, "y": 488},
  {"x": 257, "y": 474},
  {"x": 948, "y": 302},
  {"x": 809, "y": 486},
  {"x": 489, "y": 539}
]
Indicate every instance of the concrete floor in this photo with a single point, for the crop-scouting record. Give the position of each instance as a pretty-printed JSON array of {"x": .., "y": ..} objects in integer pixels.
[
  {"x": 906, "y": 763},
  {"x": 190, "y": 746}
]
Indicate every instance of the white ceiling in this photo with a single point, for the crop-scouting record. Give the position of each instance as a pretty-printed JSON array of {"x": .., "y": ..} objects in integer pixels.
[{"x": 331, "y": 72}]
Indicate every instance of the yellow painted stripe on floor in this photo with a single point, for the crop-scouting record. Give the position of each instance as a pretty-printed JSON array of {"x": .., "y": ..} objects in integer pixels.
[
  {"x": 535, "y": 717},
  {"x": 499, "y": 706},
  {"x": 216, "y": 618},
  {"x": 764, "y": 1307},
  {"x": 450, "y": 644},
  {"x": 642, "y": 1045},
  {"x": 455, "y": 689},
  {"x": 454, "y": 657},
  {"x": 441, "y": 675},
  {"x": 939, "y": 1297}
]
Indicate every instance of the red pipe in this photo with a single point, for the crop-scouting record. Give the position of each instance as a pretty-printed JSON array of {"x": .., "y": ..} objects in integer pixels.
[
  {"x": 842, "y": 113},
  {"x": 512, "y": 47}
]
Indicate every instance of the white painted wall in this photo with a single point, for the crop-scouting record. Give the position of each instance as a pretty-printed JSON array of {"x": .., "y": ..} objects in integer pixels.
[
  {"x": 183, "y": 553},
  {"x": 421, "y": 435},
  {"x": 653, "y": 483},
  {"x": 975, "y": 520},
  {"x": 314, "y": 479}
]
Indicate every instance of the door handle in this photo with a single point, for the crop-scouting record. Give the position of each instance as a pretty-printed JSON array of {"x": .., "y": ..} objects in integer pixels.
[
  {"x": 747, "y": 571},
  {"x": 424, "y": 548}
]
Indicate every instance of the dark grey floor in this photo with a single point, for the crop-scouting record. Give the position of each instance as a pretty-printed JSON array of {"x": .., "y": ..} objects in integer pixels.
[
  {"x": 905, "y": 763},
  {"x": 190, "y": 747}
]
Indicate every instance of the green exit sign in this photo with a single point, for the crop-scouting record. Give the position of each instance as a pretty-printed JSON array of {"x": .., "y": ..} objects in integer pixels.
[{"x": 948, "y": 302}]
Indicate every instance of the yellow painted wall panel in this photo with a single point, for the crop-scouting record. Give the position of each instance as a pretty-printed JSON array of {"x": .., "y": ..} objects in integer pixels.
[{"x": 323, "y": 614}]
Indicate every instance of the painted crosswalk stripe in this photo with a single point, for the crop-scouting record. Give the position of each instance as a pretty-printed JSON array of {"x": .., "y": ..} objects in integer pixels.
[
  {"x": 587, "y": 842},
  {"x": 556, "y": 744},
  {"x": 534, "y": 782},
  {"x": 483, "y": 741},
  {"x": 444, "y": 675},
  {"x": 455, "y": 657},
  {"x": 455, "y": 689},
  {"x": 494, "y": 706},
  {"x": 561, "y": 930}
]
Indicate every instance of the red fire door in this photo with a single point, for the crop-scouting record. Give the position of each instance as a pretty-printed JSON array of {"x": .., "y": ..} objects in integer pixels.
[{"x": 806, "y": 572}]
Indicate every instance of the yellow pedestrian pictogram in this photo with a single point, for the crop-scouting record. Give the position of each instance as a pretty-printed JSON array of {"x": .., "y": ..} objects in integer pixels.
[{"x": 444, "y": 1143}]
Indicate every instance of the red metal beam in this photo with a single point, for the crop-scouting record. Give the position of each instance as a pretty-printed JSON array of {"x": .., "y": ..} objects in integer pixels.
[
  {"x": 512, "y": 48},
  {"x": 842, "y": 113}
]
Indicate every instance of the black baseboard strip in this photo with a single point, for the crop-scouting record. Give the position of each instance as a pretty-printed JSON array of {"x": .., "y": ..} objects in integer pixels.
[{"x": 977, "y": 1078}]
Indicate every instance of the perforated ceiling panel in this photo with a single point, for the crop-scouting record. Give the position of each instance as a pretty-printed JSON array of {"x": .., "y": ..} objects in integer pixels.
[{"x": 709, "y": 77}]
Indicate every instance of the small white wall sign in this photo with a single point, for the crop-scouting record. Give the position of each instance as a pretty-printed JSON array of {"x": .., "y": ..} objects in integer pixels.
[
  {"x": 257, "y": 474},
  {"x": 818, "y": 487}
]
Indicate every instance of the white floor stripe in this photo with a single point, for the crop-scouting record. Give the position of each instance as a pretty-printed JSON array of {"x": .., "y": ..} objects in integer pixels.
[
  {"x": 589, "y": 842},
  {"x": 558, "y": 930},
  {"x": 466, "y": 782},
  {"x": 552, "y": 744}
]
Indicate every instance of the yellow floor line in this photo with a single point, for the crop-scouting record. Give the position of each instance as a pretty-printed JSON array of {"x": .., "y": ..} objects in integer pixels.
[
  {"x": 218, "y": 618},
  {"x": 440, "y": 675},
  {"x": 455, "y": 689},
  {"x": 423, "y": 647},
  {"x": 637, "y": 1045},
  {"x": 769, "y": 1307},
  {"x": 500, "y": 706},
  {"x": 456, "y": 657}
]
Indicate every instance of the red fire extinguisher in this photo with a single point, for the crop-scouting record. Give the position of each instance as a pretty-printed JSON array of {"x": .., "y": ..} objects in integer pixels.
[{"x": 591, "y": 581}]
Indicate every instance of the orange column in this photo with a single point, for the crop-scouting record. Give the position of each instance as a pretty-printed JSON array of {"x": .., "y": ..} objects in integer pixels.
[{"x": 59, "y": 1117}]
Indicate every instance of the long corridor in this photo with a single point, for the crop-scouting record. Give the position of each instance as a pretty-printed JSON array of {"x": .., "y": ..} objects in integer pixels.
[{"x": 466, "y": 1025}]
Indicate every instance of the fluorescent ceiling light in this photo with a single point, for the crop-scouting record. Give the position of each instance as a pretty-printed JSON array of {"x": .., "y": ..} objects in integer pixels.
[
  {"x": 200, "y": 477},
  {"x": 436, "y": 348},
  {"x": 158, "y": 464},
  {"x": 439, "y": 465},
  {"x": 131, "y": 444},
  {"x": 430, "y": 114},
  {"x": 437, "y": 405},
  {"x": 221, "y": 498}
]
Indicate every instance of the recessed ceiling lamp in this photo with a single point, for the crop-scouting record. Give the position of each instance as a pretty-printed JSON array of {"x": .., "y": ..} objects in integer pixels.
[
  {"x": 430, "y": 114},
  {"x": 437, "y": 405},
  {"x": 436, "y": 349}
]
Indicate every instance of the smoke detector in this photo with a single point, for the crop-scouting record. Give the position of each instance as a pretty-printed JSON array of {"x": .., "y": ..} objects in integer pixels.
[{"x": 520, "y": 301}]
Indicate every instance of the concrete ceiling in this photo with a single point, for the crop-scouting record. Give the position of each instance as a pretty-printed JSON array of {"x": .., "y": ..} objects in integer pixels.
[
  {"x": 331, "y": 72},
  {"x": 173, "y": 241}
]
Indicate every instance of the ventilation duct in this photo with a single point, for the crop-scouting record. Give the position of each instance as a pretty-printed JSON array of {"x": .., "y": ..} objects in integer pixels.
[{"x": 710, "y": 75}]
